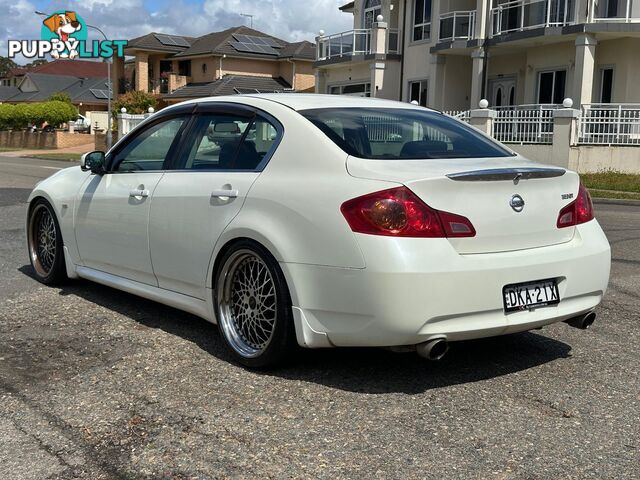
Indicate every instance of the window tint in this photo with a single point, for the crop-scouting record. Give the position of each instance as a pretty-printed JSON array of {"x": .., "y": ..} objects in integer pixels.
[
  {"x": 226, "y": 142},
  {"x": 149, "y": 149},
  {"x": 399, "y": 134}
]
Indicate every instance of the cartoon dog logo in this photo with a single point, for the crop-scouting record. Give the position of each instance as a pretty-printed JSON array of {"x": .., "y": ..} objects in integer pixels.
[{"x": 63, "y": 25}]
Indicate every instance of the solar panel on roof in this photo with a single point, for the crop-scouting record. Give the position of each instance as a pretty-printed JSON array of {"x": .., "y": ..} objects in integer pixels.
[
  {"x": 181, "y": 42},
  {"x": 253, "y": 48},
  {"x": 171, "y": 40},
  {"x": 251, "y": 39},
  {"x": 99, "y": 93},
  {"x": 165, "y": 39}
]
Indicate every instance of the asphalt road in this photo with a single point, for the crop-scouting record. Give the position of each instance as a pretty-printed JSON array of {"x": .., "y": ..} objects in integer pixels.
[{"x": 95, "y": 383}]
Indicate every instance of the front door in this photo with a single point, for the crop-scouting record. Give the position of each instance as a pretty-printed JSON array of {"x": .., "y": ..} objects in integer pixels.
[
  {"x": 502, "y": 92},
  {"x": 112, "y": 214},
  {"x": 195, "y": 201}
]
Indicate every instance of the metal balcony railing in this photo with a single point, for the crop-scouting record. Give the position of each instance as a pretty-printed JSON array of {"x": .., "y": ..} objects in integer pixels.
[
  {"x": 354, "y": 42},
  {"x": 460, "y": 25},
  {"x": 519, "y": 15},
  {"x": 622, "y": 11}
]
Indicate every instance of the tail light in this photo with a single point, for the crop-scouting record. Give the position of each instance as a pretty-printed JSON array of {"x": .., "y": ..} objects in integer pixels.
[
  {"x": 398, "y": 212},
  {"x": 577, "y": 212}
]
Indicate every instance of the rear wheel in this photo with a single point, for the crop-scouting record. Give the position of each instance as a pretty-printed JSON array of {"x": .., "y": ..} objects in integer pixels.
[
  {"x": 45, "y": 244},
  {"x": 253, "y": 306}
]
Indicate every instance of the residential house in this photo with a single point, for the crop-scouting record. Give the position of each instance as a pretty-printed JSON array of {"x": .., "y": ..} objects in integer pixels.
[
  {"x": 85, "y": 82},
  {"x": 236, "y": 60},
  {"x": 450, "y": 54}
]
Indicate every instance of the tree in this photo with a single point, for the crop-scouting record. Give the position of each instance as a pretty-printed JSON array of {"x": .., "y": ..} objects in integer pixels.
[
  {"x": 135, "y": 102},
  {"x": 6, "y": 65},
  {"x": 61, "y": 96}
]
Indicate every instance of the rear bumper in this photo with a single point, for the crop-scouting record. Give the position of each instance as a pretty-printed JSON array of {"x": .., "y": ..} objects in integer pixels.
[{"x": 413, "y": 290}]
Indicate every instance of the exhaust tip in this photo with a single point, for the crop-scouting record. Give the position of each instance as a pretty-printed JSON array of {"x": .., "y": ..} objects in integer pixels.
[
  {"x": 433, "y": 349},
  {"x": 582, "y": 322}
]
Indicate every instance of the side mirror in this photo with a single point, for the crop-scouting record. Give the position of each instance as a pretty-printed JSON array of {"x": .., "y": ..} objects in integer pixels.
[{"x": 93, "y": 161}]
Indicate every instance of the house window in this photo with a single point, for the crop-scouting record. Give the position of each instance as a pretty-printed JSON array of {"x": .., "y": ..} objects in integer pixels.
[
  {"x": 551, "y": 86},
  {"x": 606, "y": 84},
  {"x": 204, "y": 67},
  {"x": 372, "y": 8},
  {"x": 354, "y": 90},
  {"x": 184, "y": 68},
  {"x": 418, "y": 92},
  {"x": 421, "y": 20}
]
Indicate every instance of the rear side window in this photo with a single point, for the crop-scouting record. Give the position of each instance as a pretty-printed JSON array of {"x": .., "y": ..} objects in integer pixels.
[{"x": 402, "y": 134}]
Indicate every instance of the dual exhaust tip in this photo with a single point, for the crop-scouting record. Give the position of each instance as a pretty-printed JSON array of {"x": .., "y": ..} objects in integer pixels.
[{"x": 438, "y": 347}]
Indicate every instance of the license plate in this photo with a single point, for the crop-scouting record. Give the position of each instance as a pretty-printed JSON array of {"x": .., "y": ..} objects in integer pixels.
[{"x": 530, "y": 295}]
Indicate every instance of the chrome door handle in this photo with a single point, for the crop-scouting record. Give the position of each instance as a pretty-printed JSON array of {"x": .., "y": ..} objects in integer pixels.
[
  {"x": 224, "y": 194},
  {"x": 139, "y": 193}
]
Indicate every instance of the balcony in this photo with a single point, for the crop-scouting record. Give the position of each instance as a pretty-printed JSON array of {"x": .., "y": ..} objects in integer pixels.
[
  {"x": 521, "y": 15},
  {"x": 622, "y": 11},
  {"x": 355, "y": 42},
  {"x": 457, "y": 26}
]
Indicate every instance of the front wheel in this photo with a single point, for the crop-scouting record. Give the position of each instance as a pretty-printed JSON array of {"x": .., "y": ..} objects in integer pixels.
[
  {"x": 253, "y": 306},
  {"x": 45, "y": 243}
]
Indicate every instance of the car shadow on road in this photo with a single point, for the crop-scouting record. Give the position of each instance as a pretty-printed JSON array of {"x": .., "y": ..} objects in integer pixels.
[{"x": 366, "y": 370}]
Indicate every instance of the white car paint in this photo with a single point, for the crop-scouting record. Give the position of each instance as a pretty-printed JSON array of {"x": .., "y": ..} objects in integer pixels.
[{"x": 347, "y": 289}]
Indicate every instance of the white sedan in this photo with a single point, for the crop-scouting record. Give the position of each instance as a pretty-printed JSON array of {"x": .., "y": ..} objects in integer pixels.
[{"x": 325, "y": 221}]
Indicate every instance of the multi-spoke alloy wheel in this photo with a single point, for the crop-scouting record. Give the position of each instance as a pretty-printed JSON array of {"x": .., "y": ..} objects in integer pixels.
[
  {"x": 45, "y": 243},
  {"x": 248, "y": 303},
  {"x": 253, "y": 306}
]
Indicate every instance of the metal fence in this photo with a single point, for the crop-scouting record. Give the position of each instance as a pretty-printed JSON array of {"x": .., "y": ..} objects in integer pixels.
[
  {"x": 462, "y": 115},
  {"x": 129, "y": 121},
  {"x": 609, "y": 124},
  {"x": 524, "y": 124}
]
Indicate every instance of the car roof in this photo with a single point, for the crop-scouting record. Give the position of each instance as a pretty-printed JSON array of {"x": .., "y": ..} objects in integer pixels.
[{"x": 308, "y": 101}]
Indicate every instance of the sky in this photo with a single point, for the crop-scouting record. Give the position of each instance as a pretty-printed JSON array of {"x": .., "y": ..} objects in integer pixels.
[{"x": 290, "y": 20}]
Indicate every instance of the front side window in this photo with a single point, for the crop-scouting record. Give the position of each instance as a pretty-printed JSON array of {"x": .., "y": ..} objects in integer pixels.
[
  {"x": 150, "y": 149},
  {"x": 418, "y": 92},
  {"x": 227, "y": 142},
  {"x": 402, "y": 134},
  {"x": 421, "y": 20}
]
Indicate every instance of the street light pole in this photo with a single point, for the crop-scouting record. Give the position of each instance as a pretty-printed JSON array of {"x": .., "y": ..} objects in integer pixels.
[
  {"x": 109, "y": 119},
  {"x": 110, "y": 90}
]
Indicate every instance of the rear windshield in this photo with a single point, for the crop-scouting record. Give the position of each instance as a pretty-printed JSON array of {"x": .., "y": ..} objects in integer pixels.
[{"x": 402, "y": 134}]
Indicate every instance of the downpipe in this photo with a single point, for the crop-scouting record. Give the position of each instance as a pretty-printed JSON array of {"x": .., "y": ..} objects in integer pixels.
[
  {"x": 433, "y": 349},
  {"x": 582, "y": 321}
]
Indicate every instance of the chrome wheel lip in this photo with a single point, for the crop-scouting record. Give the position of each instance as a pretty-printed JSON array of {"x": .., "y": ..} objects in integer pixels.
[
  {"x": 42, "y": 240},
  {"x": 256, "y": 305}
]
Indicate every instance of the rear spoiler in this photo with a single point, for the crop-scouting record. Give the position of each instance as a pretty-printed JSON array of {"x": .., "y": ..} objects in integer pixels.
[{"x": 513, "y": 174}]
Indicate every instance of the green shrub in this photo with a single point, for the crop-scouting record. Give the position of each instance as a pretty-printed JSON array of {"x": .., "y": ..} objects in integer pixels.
[
  {"x": 58, "y": 112},
  {"x": 21, "y": 115}
]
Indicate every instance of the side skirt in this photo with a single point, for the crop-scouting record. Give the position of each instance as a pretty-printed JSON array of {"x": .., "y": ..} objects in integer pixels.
[{"x": 192, "y": 305}]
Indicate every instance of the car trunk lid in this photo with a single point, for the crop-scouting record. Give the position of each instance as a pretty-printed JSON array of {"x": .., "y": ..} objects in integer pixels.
[{"x": 488, "y": 192}]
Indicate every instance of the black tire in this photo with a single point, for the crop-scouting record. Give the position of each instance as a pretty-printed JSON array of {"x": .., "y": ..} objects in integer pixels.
[
  {"x": 45, "y": 244},
  {"x": 246, "y": 315}
]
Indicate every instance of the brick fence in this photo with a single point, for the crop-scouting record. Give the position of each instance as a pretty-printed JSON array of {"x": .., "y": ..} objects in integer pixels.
[{"x": 42, "y": 140}]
